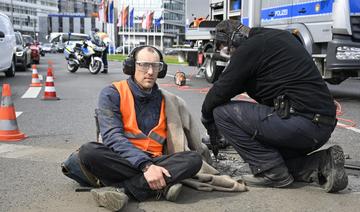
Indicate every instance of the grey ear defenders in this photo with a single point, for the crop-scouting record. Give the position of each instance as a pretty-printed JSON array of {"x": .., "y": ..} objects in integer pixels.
[
  {"x": 129, "y": 62},
  {"x": 239, "y": 35},
  {"x": 234, "y": 38}
]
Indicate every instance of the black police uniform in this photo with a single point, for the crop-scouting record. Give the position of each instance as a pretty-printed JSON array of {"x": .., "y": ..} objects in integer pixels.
[{"x": 271, "y": 65}]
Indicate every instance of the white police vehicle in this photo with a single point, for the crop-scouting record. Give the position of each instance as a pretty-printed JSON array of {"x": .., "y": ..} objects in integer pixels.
[
  {"x": 328, "y": 29},
  {"x": 7, "y": 46}
]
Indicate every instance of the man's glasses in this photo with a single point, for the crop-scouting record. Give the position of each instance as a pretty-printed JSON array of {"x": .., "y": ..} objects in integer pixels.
[{"x": 145, "y": 66}]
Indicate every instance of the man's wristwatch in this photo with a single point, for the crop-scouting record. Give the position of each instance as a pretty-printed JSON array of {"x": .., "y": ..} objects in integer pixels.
[{"x": 146, "y": 167}]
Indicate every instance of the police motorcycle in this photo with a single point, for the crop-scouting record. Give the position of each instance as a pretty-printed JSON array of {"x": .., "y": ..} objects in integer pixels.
[{"x": 84, "y": 54}]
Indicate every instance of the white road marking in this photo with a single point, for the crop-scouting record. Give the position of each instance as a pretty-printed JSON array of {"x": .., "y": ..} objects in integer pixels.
[
  {"x": 31, "y": 93},
  {"x": 349, "y": 128},
  {"x": 32, "y": 153},
  {"x": 18, "y": 113}
]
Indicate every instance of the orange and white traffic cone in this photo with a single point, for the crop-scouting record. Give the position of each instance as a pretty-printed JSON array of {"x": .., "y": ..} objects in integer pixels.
[
  {"x": 51, "y": 65},
  {"x": 50, "y": 92},
  {"x": 35, "y": 81},
  {"x": 9, "y": 130}
]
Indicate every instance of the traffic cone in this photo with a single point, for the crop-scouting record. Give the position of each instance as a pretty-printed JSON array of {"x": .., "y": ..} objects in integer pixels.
[
  {"x": 35, "y": 81},
  {"x": 9, "y": 130},
  {"x": 50, "y": 65},
  {"x": 50, "y": 92}
]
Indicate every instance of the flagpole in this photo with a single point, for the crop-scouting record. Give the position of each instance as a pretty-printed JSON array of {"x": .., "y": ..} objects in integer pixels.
[
  {"x": 128, "y": 34},
  {"x": 154, "y": 32},
  {"x": 147, "y": 30},
  {"x": 132, "y": 20},
  {"x": 134, "y": 29},
  {"x": 123, "y": 27}
]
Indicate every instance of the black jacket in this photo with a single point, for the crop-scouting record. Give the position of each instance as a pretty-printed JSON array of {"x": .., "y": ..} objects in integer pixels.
[{"x": 271, "y": 63}]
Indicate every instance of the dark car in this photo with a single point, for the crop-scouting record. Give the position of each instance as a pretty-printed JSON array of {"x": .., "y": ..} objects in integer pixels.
[
  {"x": 35, "y": 50},
  {"x": 23, "y": 52}
]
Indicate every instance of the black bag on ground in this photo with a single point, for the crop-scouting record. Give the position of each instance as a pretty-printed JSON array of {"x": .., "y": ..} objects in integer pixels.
[{"x": 73, "y": 169}]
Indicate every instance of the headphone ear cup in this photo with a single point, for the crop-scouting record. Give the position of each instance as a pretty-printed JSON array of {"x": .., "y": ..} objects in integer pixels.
[
  {"x": 129, "y": 66},
  {"x": 163, "y": 71},
  {"x": 238, "y": 39}
]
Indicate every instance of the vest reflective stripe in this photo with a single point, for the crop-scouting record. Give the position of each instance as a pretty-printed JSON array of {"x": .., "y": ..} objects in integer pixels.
[
  {"x": 131, "y": 135},
  {"x": 152, "y": 143},
  {"x": 157, "y": 137}
]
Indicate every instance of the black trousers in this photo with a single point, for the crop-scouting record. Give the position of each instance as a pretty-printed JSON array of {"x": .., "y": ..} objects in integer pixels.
[
  {"x": 104, "y": 57},
  {"x": 112, "y": 170},
  {"x": 264, "y": 140}
]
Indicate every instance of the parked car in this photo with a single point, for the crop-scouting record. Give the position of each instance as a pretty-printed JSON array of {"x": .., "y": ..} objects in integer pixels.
[
  {"x": 35, "y": 50},
  {"x": 49, "y": 48},
  {"x": 23, "y": 52},
  {"x": 170, "y": 52},
  {"x": 7, "y": 46},
  {"x": 39, "y": 44},
  {"x": 119, "y": 50}
]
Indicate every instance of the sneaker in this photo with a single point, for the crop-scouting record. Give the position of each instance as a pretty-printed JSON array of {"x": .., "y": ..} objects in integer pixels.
[
  {"x": 333, "y": 170},
  {"x": 171, "y": 193},
  {"x": 111, "y": 198},
  {"x": 277, "y": 177}
]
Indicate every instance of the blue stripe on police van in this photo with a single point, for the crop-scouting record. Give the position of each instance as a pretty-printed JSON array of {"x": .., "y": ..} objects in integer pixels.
[
  {"x": 354, "y": 7},
  {"x": 245, "y": 21},
  {"x": 321, "y": 7}
]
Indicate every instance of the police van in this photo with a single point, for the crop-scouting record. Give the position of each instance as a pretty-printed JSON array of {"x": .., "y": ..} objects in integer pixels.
[{"x": 328, "y": 29}]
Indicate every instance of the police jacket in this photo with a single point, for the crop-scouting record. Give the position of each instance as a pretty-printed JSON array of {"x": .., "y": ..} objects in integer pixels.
[
  {"x": 147, "y": 107},
  {"x": 268, "y": 64}
]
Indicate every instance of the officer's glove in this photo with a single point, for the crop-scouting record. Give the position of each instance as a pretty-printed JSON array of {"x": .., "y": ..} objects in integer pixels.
[{"x": 213, "y": 134}]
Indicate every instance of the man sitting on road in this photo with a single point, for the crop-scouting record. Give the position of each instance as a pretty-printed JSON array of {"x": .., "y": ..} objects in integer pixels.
[
  {"x": 295, "y": 114},
  {"x": 137, "y": 155}
]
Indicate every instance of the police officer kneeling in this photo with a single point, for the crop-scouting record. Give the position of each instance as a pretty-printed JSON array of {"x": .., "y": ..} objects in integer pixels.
[{"x": 295, "y": 114}]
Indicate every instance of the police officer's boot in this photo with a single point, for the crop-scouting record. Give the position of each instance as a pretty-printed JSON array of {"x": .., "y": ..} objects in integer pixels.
[
  {"x": 276, "y": 177},
  {"x": 105, "y": 70},
  {"x": 325, "y": 167}
]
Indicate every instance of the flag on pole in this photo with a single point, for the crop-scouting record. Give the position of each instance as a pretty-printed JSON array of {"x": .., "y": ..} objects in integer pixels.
[
  {"x": 111, "y": 13},
  {"x": 119, "y": 23},
  {"x": 131, "y": 24},
  {"x": 158, "y": 21},
  {"x": 143, "y": 21},
  {"x": 125, "y": 14},
  {"x": 106, "y": 7},
  {"x": 101, "y": 11},
  {"x": 149, "y": 20}
]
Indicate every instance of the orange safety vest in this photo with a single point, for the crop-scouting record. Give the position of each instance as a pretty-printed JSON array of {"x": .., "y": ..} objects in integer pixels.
[{"x": 154, "y": 141}]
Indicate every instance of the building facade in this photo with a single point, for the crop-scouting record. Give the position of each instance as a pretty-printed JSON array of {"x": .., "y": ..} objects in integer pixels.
[
  {"x": 225, "y": 9},
  {"x": 75, "y": 16},
  {"x": 25, "y": 14},
  {"x": 167, "y": 24}
]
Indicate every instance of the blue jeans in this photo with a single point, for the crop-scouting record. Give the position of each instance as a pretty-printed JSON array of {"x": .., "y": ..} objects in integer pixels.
[{"x": 263, "y": 139}]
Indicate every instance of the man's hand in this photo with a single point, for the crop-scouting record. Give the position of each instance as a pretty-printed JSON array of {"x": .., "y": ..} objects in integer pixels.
[
  {"x": 213, "y": 134},
  {"x": 154, "y": 176}
]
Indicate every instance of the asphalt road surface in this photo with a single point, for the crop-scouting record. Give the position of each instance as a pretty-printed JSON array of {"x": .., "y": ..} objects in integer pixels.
[{"x": 31, "y": 178}]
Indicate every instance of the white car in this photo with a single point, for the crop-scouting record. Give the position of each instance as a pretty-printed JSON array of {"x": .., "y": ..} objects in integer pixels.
[
  {"x": 7, "y": 46},
  {"x": 49, "y": 47}
]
